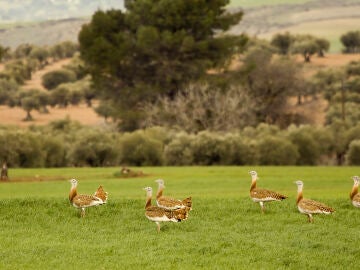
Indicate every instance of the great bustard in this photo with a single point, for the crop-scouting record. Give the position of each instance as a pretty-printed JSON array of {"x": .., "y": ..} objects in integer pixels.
[
  {"x": 354, "y": 195},
  {"x": 310, "y": 207},
  {"x": 263, "y": 195},
  {"x": 168, "y": 202},
  {"x": 158, "y": 214},
  {"x": 83, "y": 201}
]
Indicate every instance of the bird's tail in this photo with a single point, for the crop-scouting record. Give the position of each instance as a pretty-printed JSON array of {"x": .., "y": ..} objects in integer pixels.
[
  {"x": 182, "y": 214},
  {"x": 187, "y": 202},
  {"x": 101, "y": 194}
]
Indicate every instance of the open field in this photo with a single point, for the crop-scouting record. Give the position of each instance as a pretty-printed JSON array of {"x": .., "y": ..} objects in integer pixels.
[
  {"x": 40, "y": 230},
  {"x": 328, "y": 29},
  {"x": 256, "y": 3}
]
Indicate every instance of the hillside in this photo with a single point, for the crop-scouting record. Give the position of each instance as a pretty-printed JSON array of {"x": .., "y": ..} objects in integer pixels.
[
  {"x": 81, "y": 113},
  {"x": 313, "y": 110},
  {"x": 323, "y": 18}
]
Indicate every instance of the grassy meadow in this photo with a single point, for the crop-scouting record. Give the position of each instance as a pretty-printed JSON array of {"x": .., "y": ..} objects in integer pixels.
[{"x": 225, "y": 230}]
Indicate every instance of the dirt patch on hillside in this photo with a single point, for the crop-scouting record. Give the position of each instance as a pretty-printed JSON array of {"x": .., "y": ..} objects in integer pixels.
[
  {"x": 85, "y": 115},
  {"x": 36, "y": 78}
]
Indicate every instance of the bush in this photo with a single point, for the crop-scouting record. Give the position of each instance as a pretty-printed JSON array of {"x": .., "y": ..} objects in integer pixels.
[
  {"x": 139, "y": 150},
  {"x": 21, "y": 149},
  {"x": 237, "y": 150},
  {"x": 276, "y": 151},
  {"x": 353, "y": 154},
  {"x": 94, "y": 149},
  {"x": 53, "y": 79},
  {"x": 206, "y": 148},
  {"x": 55, "y": 152},
  {"x": 179, "y": 150},
  {"x": 307, "y": 147}
]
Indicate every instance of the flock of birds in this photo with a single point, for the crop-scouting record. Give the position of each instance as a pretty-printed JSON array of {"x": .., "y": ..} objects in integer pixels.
[{"x": 170, "y": 209}]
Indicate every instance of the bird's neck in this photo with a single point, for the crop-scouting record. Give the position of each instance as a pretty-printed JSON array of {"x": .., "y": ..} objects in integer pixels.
[
  {"x": 354, "y": 191},
  {"x": 72, "y": 193},
  {"x": 148, "y": 199},
  {"x": 253, "y": 184},
  {"x": 160, "y": 191},
  {"x": 299, "y": 194}
]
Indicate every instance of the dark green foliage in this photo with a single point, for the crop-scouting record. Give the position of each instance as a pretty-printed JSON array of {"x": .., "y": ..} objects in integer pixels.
[
  {"x": 282, "y": 42},
  {"x": 94, "y": 149},
  {"x": 269, "y": 83},
  {"x": 276, "y": 151},
  {"x": 179, "y": 151},
  {"x": 21, "y": 149},
  {"x": 154, "y": 48},
  {"x": 207, "y": 148},
  {"x": 307, "y": 146},
  {"x": 8, "y": 89},
  {"x": 308, "y": 45},
  {"x": 353, "y": 154},
  {"x": 53, "y": 79},
  {"x": 63, "y": 50},
  {"x": 139, "y": 150},
  {"x": 4, "y": 52},
  {"x": 351, "y": 41},
  {"x": 55, "y": 152}
]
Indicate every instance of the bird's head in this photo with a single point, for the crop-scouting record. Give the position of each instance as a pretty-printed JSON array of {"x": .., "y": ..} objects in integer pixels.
[
  {"x": 253, "y": 174},
  {"x": 73, "y": 182},
  {"x": 148, "y": 189},
  {"x": 356, "y": 180},
  {"x": 299, "y": 183},
  {"x": 160, "y": 182}
]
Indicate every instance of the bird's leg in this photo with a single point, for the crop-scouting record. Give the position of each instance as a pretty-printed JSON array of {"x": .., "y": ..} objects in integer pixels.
[
  {"x": 310, "y": 218},
  {"x": 82, "y": 212},
  {"x": 262, "y": 207},
  {"x": 158, "y": 226}
]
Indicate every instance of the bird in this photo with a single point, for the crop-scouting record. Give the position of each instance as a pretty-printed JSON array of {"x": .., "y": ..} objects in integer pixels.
[
  {"x": 168, "y": 202},
  {"x": 263, "y": 195},
  {"x": 83, "y": 201},
  {"x": 354, "y": 195},
  {"x": 310, "y": 207},
  {"x": 158, "y": 214}
]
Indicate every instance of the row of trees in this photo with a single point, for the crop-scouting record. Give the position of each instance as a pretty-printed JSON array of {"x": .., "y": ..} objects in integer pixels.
[
  {"x": 42, "y": 54},
  {"x": 66, "y": 143}
]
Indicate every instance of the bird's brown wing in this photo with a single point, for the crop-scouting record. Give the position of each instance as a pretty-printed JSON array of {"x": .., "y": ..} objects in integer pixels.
[
  {"x": 315, "y": 207},
  {"x": 266, "y": 194},
  {"x": 86, "y": 200}
]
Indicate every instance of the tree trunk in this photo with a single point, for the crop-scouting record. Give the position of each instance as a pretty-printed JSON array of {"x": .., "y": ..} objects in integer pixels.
[{"x": 28, "y": 116}]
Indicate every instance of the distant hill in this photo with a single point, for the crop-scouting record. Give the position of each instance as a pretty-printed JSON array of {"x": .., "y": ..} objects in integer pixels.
[
  {"x": 324, "y": 18},
  {"x": 14, "y": 11}
]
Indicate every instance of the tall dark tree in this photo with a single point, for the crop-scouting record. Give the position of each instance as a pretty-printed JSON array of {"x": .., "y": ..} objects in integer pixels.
[
  {"x": 282, "y": 42},
  {"x": 351, "y": 41},
  {"x": 154, "y": 48}
]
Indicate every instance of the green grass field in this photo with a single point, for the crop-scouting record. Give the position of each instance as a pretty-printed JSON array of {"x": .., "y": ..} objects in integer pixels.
[{"x": 40, "y": 230}]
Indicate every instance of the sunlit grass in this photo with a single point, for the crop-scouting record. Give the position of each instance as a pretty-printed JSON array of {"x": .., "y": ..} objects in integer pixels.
[{"x": 40, "y": 230}]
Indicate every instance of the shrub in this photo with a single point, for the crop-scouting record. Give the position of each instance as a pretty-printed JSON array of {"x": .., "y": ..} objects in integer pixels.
[
  {"x": 237, "y": 150},
  {"x": 54, "y": 78},
  {"x": 179, "y": 150},
  {"x": 55, "y": 152},
  {"x": 307, "y": 147},
  {"x": 276, "y": 151},
  {"x": 353, "y": 154},
  {"x": 21, "y": 149},
  {"x": 94, "y": 149},
  {"x": 139, "y": 150},
  {"x": 206, "y": 148}
]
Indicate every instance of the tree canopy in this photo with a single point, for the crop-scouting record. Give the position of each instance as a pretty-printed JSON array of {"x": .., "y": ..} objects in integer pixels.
[{"x": 154, "y": 48}]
